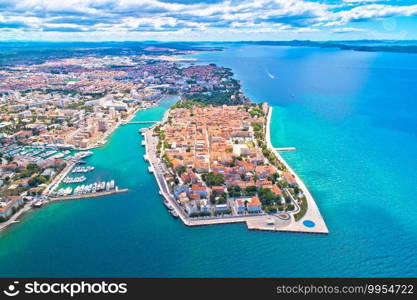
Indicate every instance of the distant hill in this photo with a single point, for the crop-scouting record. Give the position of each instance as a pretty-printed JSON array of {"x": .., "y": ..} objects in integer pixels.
[{"x": 364, "y": 45}]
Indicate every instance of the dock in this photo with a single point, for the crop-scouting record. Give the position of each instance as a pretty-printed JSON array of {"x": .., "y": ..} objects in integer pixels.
[{"x": 89, "y": 195}]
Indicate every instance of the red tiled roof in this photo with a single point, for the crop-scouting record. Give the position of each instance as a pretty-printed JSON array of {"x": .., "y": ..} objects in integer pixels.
[
  {"x": 196, "y": 187},
  {"x": 254, "y": 201}
]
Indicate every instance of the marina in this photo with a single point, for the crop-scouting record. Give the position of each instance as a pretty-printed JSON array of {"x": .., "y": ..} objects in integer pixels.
[
  {"x": 53, "y": 191},
  {"x": 38, "y": 154},
  {"x": 98, "y": 186},
  {"x": 90, "y": 195},
  {"x": 95, "y": 187}
]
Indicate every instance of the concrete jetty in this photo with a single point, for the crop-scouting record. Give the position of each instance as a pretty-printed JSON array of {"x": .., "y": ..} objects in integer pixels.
[
  {"x": 89, "y": 195},
  {"x": 286, "y": 149}
]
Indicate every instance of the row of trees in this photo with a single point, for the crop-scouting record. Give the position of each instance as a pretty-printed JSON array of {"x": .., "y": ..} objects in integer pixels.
[{"x": 214, "y": 98}]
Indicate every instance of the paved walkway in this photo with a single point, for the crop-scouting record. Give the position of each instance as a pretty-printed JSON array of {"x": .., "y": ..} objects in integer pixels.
[
  {"x": 89, "y": 195},
  {"x": 313, "y": 212},
  {"x": 13, "y": 219}
]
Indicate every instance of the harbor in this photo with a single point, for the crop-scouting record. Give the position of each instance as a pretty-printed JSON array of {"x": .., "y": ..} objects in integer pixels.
[
  {"x": 92, "y": 188},
  {"x": 54, "y": 192}
]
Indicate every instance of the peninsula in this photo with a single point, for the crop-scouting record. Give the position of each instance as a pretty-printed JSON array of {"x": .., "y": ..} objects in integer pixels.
[{"x": 215, "y": 164}]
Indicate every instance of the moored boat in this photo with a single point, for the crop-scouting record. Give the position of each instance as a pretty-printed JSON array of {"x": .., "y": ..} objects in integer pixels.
[
  {"x": 166, "y": 203},
  {"x": 174, "y": 213}
]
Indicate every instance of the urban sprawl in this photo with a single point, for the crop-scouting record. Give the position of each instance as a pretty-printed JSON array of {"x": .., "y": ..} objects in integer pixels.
[{"x": 210, "y": 154}]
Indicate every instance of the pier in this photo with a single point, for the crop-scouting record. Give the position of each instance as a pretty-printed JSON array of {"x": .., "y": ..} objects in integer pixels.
[
  {"x": 286, "y": 149},
  {"x": 89, "y": 195}
]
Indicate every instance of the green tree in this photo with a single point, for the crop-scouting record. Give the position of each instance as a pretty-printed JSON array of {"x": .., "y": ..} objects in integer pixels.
[
  {"x": 250, "y": 190},
  {"x": 234, "y": 191},
  {"x": 214, "y": 179}
]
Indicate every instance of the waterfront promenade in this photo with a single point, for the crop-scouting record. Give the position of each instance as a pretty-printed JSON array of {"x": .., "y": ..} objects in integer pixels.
[
  {"x": 57, "y": 180},
  {"x": 262, "y": 221},
  {"x": 313, "y": 213},
  {"x": 15, "y": 217}
]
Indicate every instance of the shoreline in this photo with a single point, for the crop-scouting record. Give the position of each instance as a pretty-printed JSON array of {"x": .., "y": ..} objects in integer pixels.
[
  {"x": 28, "y": 206},
  {"x": 104, "y": 139},
  {"x": 313, "y": 212}
]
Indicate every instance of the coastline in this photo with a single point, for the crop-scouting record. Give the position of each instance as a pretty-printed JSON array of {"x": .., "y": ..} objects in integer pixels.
[
  {"x": 28, "y": 206},
  {"x": 104, "y": 138},
  {"x": 313, "y": 212}
]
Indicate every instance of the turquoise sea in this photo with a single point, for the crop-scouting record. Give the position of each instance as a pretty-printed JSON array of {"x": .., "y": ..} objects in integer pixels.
[{"x": 353, "y": 118}]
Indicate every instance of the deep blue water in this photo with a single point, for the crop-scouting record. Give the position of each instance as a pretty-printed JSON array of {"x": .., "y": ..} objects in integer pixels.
[{"x": 352, "y": 117}]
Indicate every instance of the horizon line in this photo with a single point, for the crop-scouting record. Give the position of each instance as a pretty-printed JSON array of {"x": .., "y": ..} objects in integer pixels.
[{"x": 208, "y": 41}]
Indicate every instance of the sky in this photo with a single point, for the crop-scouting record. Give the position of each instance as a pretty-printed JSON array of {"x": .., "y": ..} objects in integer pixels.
[{"x": 207, "y": 20}]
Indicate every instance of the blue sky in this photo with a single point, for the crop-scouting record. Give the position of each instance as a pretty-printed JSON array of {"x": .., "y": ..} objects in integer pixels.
[{"x": 209, "y": 20}]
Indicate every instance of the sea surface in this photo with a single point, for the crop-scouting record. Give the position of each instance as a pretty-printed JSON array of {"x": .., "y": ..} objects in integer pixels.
[{"x": 352, "y": 117}]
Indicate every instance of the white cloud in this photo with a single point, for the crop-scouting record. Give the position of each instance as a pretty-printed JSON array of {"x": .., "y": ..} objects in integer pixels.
[
  {"x": 348, "y": 30},
  {"x": 374, "y": 11},
  {"x": 150, "y": 16}
]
